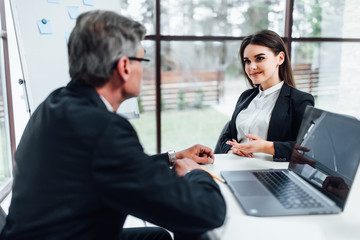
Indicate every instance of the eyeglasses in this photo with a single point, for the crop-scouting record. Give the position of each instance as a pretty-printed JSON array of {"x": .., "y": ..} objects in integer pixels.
[
  {"x": 144, "y": 60},
  {"x": 139, "y": 59}
]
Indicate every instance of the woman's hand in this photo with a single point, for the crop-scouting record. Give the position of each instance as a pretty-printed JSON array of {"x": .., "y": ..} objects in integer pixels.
[
  {"x": 256, "y": 144},
  {"x": 237, "y": 151}
]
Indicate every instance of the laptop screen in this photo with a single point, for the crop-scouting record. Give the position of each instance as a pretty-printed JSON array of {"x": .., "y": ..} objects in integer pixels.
[{"x": 327, "y": 152}]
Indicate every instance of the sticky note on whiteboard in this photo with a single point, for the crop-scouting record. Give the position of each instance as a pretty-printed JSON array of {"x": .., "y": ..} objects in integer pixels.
[
  {"x": 89, "y": 2},
  {"x": 67, "y": 36},
  {"x": 73, "y": 11},
  {"x": 44, "y": 26}
]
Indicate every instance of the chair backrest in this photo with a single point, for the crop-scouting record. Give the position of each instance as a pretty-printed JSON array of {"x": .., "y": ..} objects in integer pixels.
[
  {"x": 2, "y": 218},
  {"x": 218, "y": 143}
]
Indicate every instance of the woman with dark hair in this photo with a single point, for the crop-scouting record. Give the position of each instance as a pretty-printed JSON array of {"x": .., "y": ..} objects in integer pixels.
[{"x": 267, "y": 117}]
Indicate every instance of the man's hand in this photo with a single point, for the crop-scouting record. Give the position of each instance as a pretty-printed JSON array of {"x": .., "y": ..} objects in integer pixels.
[
  {"x": 337, "y": 186},
  {"x": 182, "y": 166},
  {"x": 198, "y": 153}
]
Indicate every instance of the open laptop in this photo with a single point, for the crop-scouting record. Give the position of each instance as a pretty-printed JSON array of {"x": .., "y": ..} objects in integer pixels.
[{"x": 321, "y": 170}]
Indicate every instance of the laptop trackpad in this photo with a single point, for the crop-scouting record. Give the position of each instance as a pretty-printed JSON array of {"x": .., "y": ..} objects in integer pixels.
[{"x": 249, "y": 188}]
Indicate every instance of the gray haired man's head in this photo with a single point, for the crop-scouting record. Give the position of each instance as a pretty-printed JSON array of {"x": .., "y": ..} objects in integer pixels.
[{"x": 98, "y": 40}]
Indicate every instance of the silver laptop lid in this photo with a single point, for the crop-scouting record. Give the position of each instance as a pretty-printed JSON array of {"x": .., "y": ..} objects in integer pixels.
[{"x": 327, "y": 152}]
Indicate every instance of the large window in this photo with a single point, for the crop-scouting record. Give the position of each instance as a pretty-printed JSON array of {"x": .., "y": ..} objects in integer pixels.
[
  {"x": 332, "y": 74},
  {"x": 326, "y": 43},
  {"x": 194, "y": 80},
  {"x": 196, "y": 70},
  {"x": 221, "y": 17},
  {"x": 326, "y": 18}
]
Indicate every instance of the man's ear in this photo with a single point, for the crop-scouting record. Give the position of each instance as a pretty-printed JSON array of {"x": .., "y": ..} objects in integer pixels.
[{"x": 123, "y": 68}]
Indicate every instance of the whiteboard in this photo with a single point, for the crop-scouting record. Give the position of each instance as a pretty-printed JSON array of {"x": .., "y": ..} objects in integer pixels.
[{"x": 42, "y": 28}]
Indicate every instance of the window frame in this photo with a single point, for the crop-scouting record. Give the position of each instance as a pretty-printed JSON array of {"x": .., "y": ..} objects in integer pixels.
[
  {"x": 6, "y": 188},
  {"x": 158, "y": 38}
]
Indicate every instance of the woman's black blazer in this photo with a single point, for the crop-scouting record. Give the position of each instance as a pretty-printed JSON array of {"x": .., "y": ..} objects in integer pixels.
[{"x": 284, "y": 122}]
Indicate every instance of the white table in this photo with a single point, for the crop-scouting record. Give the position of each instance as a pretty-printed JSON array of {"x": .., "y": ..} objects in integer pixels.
[{"x": 344, "y": 226}]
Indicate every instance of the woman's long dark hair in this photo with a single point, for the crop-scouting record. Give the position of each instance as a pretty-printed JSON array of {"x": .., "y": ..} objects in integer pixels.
[{"x": 273, "y": 41}]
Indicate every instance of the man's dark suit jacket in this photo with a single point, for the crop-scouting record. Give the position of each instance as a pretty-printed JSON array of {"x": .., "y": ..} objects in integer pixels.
[
  {"x": 80, "y": 170},
  {"x": 284, "y": 122}
]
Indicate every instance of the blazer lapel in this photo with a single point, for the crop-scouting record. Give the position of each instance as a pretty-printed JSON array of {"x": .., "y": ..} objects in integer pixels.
[
  {"x": 279, "y": 118},
  {"x": 245, "y": 103}
]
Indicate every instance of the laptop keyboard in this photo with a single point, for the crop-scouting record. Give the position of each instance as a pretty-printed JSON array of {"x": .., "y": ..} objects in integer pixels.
[{"x": 286, "y": 191}]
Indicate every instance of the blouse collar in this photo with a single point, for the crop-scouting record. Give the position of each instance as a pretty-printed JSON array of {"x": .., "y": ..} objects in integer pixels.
[{"x": 271, "y": 89}]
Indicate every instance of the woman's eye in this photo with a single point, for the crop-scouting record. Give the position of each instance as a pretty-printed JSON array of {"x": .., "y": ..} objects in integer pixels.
[
  {"x": 260, "y": 58},
  {"x": 246, "y": 61}
]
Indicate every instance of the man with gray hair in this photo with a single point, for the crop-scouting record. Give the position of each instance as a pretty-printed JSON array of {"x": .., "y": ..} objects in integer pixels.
[{"x": 80, "y": 168}]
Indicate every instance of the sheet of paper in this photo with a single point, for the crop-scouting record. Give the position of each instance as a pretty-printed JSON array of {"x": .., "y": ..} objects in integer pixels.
[
  {"x": 89, "y": 2},
  {"x": 73, "y": 11},
  {"x": 44, "y": 26},
  {"x": 67, "y": 36}
]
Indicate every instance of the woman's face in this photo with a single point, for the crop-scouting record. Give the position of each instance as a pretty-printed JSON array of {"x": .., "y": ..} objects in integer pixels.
[{"x": 262, "y": 65}]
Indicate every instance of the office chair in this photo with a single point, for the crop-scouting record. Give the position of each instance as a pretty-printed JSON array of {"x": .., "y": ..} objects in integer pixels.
[
  {"x": 217, "y": 148},
  {"x": 2, "y": 218}
]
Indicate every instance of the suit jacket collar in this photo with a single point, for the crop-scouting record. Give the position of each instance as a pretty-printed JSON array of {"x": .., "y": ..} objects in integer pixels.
[{"x": 87, "y": 92}]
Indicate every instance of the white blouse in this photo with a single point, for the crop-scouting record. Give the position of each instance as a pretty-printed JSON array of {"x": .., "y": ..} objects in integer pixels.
[{"x": 255, "y": 118}]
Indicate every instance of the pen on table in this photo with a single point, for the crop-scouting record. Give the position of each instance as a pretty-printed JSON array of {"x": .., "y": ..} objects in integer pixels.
[{"x": 217, "y": 178}]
